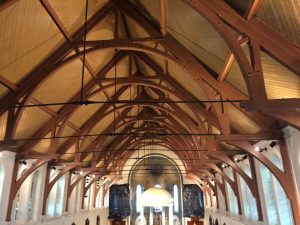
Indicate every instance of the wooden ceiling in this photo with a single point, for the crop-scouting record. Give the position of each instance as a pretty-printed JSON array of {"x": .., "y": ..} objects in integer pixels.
[{"x": 198, "y": 78}]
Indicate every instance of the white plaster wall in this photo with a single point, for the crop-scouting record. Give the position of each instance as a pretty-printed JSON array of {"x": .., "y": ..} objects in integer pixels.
[
  {"x": 292, "y": 137},
  {"x": 7, "y": 160},
  {"x": 78, "y": 218},
  {"x": 226, "y": 218}
]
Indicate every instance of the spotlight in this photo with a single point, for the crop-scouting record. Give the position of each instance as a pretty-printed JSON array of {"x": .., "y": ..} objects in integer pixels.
[
  {"x": 244, "y": 157},
  {"x": 258, "y": 149},
  {"x": 223, "y": 165},
  {"x": 81, "y": 173},
  {"x": 23, "y": 162},
  {"x": 273, "y": 144},
  {"x": 236, "y": 159},
  {"x": 93, "y": 176}
]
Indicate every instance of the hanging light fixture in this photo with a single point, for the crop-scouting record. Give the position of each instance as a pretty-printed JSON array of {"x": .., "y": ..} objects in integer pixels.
[{"x": 157, "y": 197}]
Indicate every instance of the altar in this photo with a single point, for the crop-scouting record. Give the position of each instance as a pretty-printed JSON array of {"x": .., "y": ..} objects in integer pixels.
[{"x": 159, "y": 204}]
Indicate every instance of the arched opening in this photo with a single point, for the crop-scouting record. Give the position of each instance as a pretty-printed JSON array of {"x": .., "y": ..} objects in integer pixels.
[
  {"x": 32, "y": 196},
  {"x": 277, "y": 204},
  {"x": 216, "y": 222},
  {"x": 56, "y": 198},
  {"x": 154, "y": 171},
  {"x": 98, "y": 220},
  {"x": 248, "y": 201},
  {"x": 19, "y": 203},
  {"x": 87, "y": 222},
  {"x": 282, "y": 202},
  {"x": 210, "y": 220}
]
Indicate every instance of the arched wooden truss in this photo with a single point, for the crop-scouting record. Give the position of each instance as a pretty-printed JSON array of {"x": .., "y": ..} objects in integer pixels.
[{"x": 195, "y": 132}]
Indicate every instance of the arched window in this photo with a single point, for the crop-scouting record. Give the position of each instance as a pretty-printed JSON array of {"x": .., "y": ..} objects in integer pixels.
[
  {"x": 98, "y": 220},
  {"x": 18, "y": 205},
  {"x": 249, "y": 204},
  {"x": 269, "y": 194},
  {"x": 1, "y": 180},
  {"x": 87, "y": 222},
  {"x": 216, "y": 222},
  {"x": 56, "y": 197},
  {"x": 32, "y": 195},
  {"x": 175, "y": 196},
  {"x": 60, "y": 196},
  {"x": 99, "y": 198},
  {"x": 138, "y": 198},
  {"x": 232, "y": 200},
  {"x": 73, "y": 223},
  {"x": 210, "y": 220},
  {"x": 278, "y": 205},
  {"x": 283, "y": 204}
]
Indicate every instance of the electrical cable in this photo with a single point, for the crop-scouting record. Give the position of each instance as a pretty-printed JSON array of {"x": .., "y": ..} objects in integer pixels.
[
  {"x": 87, "y": 102},
  {"x": 84, "y": 52}
]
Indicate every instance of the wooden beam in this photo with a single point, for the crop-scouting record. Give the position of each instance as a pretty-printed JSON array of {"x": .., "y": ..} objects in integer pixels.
[
  {"x": 39, "y": 74},
  {"x": 16, "y": 183},
  {"x": 271, "y": 41},
  {"x": 272, "y": 105}
]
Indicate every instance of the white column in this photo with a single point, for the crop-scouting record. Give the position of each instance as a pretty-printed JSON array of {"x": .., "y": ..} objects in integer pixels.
[
  {"x": 7, "y": 161},
  {"x": 24, "y": 199},
  {"x": 163, "y": 216},
  {"x": 171, "y": 215},
  {"x": 151, "y": 215},
  {"x": 142, "y": 216}
]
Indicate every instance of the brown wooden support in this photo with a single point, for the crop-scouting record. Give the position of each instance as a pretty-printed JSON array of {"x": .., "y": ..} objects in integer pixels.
[
  {"x": 290, "y": 181},
  {"x": 36, "y": 76},
  {"x": 270, "y": 40},
  {"x": 97, "y": 189},
  {"x": 285, "y": 178},
  {"x": 86, "y": 188},
  {"x": 16, "y": 183},
  {"x": 50, "y": 183},
  {"x": 226, "y": 159},
  {"x": 71, "y": 186}
]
